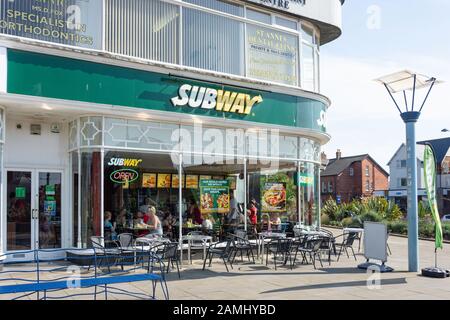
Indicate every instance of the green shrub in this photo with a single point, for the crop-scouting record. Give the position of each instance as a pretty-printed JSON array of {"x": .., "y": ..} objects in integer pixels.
[
  {"x": 346, "y": 222},
  {"x": 399, "y": 227},
  {"x": 325, "y": 220},
  {"x": 371, "y": 216}
]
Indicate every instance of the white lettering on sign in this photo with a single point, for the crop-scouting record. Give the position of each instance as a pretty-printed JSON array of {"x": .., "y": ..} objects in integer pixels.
[
  {"x": 121, "y": 162},
  {"x": 220, "y": 100}
]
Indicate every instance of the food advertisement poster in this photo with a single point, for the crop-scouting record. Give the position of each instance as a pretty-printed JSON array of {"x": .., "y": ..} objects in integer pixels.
[
  {"x": 191, "y": 182},
  {"x": 214, "y": 196},
  {"x": 164, "y": 180},
  {"x": 69, "y": 22},
  {"x": 205, "y": 178},
  {"x": 273, "y": 197},
  {"x": 149, "y": 180},
  {"x": 176, "y": 181},
  {"x": 273, "y": 55}
]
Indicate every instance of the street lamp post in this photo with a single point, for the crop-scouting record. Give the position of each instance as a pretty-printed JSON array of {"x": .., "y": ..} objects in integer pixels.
[{"x": 401, "y": 82}]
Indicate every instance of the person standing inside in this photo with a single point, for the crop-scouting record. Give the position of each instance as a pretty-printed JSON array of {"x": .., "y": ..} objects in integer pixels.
[{"x": 252, "y": 213}]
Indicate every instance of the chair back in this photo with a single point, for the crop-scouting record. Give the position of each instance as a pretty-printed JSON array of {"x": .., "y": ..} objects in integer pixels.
[
  {"x": 125, "y": 240},
  {"x": 98, "y": 242},
  {"x": 229, "y": 246},
  {"x": 170, "y": 250},
  {"x": 350, "y": 238},
  {"x": 241, "y": 233},
  {"x": 282, "y": 245},
  {"x": 316, "y": 244}
]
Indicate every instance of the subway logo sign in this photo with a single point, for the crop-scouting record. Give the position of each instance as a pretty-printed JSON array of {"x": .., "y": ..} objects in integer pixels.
[{"x": 212, "y": 99}]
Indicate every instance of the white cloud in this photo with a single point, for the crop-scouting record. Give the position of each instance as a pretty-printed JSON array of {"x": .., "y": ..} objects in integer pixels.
[{"x": 363, "y": 118}]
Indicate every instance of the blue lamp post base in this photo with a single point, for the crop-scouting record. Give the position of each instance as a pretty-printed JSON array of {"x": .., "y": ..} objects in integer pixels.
[{"x": 410, "y": 119}]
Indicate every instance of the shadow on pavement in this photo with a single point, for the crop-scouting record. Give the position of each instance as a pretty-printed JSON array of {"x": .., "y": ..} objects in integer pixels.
[{"x": 385, "y": 282}]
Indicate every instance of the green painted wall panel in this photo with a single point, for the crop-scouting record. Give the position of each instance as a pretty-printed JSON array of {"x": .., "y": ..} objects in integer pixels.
[{"x": 49, "y": 76}]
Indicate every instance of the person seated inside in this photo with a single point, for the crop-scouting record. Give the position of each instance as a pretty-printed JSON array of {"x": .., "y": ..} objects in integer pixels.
[
  {"x": 276, "y": 222},
  {"x": 194, "y": 213},
  {"x": 109, "y": 227},
  {"x": 121, "y": 219},
  {"x": 266, "y": 224},
  {"x": 153, "y": 222},
  {"x": 140, "y": 225},
  {"x": 208, "y": 223},
  {"x": 169, "y": 224}
]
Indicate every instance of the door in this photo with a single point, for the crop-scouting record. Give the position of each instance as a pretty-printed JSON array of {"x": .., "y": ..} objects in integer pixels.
[{"x": 33, "y": 206}]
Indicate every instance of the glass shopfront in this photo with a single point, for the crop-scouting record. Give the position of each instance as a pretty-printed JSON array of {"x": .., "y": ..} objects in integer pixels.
[{"x": 144, "y": 177}]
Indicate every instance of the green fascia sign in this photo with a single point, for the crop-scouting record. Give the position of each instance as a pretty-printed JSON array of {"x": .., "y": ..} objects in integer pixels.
[{"x": 41, "y": 75}]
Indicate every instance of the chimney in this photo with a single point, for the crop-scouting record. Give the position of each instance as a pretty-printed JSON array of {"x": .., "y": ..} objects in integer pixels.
[{"x": 338, "y": 154}]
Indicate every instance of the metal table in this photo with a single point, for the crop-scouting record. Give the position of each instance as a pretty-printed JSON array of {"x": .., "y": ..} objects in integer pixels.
[
  {"x": 195, "y": 238},
  {"x": 262, "y": 236}
]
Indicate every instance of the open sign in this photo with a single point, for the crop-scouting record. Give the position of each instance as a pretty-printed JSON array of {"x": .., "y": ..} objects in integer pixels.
[{"x": 124, "y": 176}]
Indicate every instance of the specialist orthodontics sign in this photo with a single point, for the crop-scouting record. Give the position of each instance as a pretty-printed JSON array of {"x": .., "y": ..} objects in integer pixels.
[
  {"x": 212, "y": 99},
  {"x": 69, "y": 22}
]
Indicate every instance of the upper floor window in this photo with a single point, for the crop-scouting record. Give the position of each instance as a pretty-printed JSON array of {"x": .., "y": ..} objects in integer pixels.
[
  {"x": 259, "y": 16},
  {"x": 367, "y": 186},
  {"x": 290, "y": 24},
  {"x": 351, "y": 172},
  {"x": 324, "y": 187},
  {"x": 330, "y": 187},
  {"x": 401, "y": 164},
  {"x": 367, "y": 171}
]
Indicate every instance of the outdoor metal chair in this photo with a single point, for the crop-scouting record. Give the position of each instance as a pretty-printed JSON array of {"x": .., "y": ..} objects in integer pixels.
[
  {"x": 125, "y": 243},
  {"x": 169, "y": 252},
  {"x": 311, "y": 246},
  {"x": 222, "y": 250},
  {"x": 279, "y": 248},
  {"x": 347, "y": 242},
  {"x": 106, "y": 253},
  {"x": 243, "y": 245}
]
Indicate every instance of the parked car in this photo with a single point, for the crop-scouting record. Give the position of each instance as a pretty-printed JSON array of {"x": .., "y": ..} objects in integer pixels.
[{"x": 446, "y": 218}]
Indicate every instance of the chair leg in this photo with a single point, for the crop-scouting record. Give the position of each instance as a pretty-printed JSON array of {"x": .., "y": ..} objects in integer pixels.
[
  {"x": 353, "y": 251},
  {"x": 225, "y": 262},
  {"x": 178, "y": 269},
  {"x": 320, "y": 259},
  {"x": 339, "y": 255},
  {"x": 313, "y": 258},
  {"x": 204, "y": 261}
]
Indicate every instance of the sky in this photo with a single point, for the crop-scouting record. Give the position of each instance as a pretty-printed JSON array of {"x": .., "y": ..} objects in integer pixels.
[{"x": 379, "y": 38}]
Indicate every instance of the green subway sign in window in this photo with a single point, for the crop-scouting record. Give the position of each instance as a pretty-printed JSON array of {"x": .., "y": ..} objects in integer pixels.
[{"x": 41, "y": 75}]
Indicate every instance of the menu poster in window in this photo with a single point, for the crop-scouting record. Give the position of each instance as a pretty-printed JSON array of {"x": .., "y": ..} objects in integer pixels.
[
  {"x": 175, "y": 181},
  {"x": 191, "y": 182},
  {"x": 272, "y": 55},
  {"x": 214, "y": 196},
  {"x": 164, "y": 180},
  {"x": 218, "y": 178},
  {"x": 273, "y": 197},
  {"x": 232, "y": 181},
  {"x": 205, "y": 178},
  {"x": 149, "y": 180}
]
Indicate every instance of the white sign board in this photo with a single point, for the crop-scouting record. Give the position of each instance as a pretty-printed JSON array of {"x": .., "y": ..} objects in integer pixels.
[{"x": 375, "y": 241}]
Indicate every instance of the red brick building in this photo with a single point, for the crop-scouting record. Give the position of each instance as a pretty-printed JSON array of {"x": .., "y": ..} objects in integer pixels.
[{"x": 347, "y": 178}]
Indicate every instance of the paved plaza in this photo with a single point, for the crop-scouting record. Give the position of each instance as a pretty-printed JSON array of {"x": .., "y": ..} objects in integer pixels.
[{"x": 341, "y": 280}]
